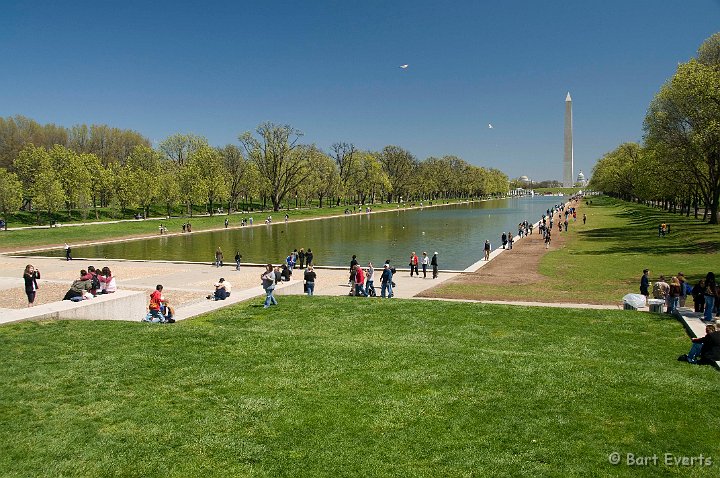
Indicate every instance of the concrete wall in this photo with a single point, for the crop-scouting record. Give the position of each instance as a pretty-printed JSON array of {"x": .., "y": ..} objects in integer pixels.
[{"x": 122, "y": 305}]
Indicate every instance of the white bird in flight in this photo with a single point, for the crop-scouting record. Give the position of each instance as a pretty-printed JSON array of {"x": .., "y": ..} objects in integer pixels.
[
  {"x": 490, "y": 126},
  {"x": 404, "y": 67}
]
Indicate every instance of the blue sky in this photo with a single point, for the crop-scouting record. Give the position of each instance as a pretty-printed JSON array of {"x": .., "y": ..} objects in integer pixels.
[{"x": 331, "y": 69}]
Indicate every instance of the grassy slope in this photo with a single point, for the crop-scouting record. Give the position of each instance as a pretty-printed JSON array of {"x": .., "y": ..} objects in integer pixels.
[
  {"x": 27, "y": 238},
  {"x": 343, "y": 387},
  {"x": 604, "y": 259}
]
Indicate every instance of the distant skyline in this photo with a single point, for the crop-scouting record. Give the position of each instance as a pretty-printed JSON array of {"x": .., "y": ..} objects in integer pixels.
[{"x": 485, "y": 81}]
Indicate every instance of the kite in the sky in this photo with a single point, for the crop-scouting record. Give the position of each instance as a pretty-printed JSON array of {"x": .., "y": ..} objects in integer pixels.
[
  {"x": 404, "y": 67},
  {"x": 490, "y": 126}
]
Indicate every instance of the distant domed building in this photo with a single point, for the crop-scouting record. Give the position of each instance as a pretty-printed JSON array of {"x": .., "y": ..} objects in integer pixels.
[
  {"x": 581, "y": 181},
  {"x": 524, "y": 179}
]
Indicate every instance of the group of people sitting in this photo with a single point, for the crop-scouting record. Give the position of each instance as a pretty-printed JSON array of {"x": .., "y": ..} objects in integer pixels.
[{"x": 92, "y": 282}]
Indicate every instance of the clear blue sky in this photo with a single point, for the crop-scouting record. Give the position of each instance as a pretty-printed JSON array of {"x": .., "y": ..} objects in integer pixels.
[{"x": 331, "y": 69}]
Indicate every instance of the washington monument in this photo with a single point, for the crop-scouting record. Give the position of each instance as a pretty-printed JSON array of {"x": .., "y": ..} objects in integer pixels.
[{"x": 568, "y": 160}]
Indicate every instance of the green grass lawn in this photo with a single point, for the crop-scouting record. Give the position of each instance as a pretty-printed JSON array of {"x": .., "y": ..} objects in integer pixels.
[
  {"x": 603, "y": 260},
  {"x": 29, "y": 237},
  {"x": 342, "y": 387}
]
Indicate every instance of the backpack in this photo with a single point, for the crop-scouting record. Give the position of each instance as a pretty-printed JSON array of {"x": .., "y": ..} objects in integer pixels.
[{"x": 94, "y": 282}]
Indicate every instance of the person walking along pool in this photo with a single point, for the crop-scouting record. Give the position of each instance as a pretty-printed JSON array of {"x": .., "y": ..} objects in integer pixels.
[
  {"x": 434, "y": 264},
  {"x": 309, "y": 278},
  {"x": 218, "y": 257},
  {"x": 238, "y": 257},
  {"x": 414, "y": 264},
  {"x": 386, "y": 282},
  {"x": 68, "y": 251},
  {"x": 425, "y": 263},
  {"x": 268, "y": 283},
  {"x": 487, "y": 249}
]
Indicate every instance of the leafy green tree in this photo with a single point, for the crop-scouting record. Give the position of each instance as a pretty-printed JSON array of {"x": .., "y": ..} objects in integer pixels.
[
  {"x": 242, "y": 175},
  {"x": 368, "y": 177},
  {"x": 345, "y": 156},
  {"x": 145, "y": 165},
  {"x": 169, "y": 185},
  {"x": 683, "y": 121},
  {"x": 208, "y": 162},
  {"x": 399, "y": 165},
  {"x": 277, "y": 156},
  {"x": 74, "y": 176},
  {"x": 48, "y": 191},
  {"x": 10, "y": 193},
  {"x": 126, "y": 190},
  {"x": 178, "y": 147},
  {"x": 28, "y": 164},
  {"x": 321, "y": 179}
]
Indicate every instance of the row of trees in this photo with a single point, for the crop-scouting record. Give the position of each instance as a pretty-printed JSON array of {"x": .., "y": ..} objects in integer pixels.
[
  {"x": 270, "y": 164},
  {"x": 110, "y": 145},
  {"x": 678, "y": 165}
]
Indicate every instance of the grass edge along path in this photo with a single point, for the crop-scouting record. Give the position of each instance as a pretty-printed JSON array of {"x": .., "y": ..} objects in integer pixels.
[
  {"x": 603, "y": 260},
  {"x": 343, "y": 387}
]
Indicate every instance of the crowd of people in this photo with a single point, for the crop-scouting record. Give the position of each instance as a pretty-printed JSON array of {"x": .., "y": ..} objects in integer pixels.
[
  {"x": 674, "y": 293},
  {"x": 705, "y": 295}
]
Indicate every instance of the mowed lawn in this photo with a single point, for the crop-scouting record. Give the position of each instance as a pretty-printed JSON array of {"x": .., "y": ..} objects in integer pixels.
[
  {"x": 355, "y": 387},
  {"x": 603, "y": 259}
]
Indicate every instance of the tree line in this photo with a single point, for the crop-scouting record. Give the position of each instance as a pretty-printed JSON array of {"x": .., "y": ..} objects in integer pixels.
[
  {"x": 50, "y": 168},
  {"x": 677, "y": 166}
]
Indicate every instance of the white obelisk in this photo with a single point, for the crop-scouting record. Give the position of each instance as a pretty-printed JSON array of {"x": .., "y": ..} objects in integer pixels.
[{"x": 568, "y": 160}]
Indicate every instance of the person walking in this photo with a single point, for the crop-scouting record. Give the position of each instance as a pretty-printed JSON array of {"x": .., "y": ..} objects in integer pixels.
[
  {"x": 434, "y": 264},
  {"x": 31, "y": 275},
  {"x": 301, "y": 258},
  {"x": 309, "y": 258},
  {"x": 68, "y": 251},
  {"x": 504, "y": 239},
  {"x": 370, "y": 280},
  {"x": 360, "y": 281},
  {"x": 425, "y": 263},
  {"x": 487, "y": 249},
  {"x": 218, "y": 257},
  {"x": 414, "y": 264},
  {"x": 238, "y": 257},
  {"x": 268, "y": 283},
  {"x": 309, "y": 278},
  {"x": 386, "y": 282}
]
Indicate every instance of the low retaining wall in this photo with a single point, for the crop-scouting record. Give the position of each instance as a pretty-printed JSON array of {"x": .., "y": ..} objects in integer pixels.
[{"x": 122, "y": 305}]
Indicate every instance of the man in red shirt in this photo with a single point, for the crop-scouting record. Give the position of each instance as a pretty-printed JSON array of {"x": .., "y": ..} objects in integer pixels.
[{"x": 360, "y": 281}]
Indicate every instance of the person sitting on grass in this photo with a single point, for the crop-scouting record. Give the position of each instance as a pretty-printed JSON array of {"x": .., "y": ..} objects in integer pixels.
[{"x": 707, "y": 348}]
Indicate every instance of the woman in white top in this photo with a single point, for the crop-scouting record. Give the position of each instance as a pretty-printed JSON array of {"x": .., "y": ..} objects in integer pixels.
[{"x": 107, "y": 281}]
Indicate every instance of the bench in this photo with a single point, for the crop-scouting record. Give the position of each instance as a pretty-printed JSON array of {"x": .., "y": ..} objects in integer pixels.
[{"x": 121, "y": 305}]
